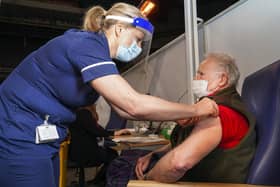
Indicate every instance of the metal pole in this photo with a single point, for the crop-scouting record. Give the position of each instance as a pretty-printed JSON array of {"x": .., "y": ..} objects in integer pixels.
[
  {"x": 195, "y": 35},
  {"x": 191, "y": 37}
]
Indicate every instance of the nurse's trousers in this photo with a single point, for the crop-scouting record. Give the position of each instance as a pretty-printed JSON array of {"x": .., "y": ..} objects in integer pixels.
[{"x": 30, "y": 172}]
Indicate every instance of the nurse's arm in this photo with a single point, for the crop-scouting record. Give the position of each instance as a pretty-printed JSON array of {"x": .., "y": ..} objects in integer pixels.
[
  {"x": 119, "y": 93},
  {"x": 122, "y": 113}
]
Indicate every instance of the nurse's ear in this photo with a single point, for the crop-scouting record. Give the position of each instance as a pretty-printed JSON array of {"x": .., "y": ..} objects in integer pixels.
[{"x": 118, "y": 29}]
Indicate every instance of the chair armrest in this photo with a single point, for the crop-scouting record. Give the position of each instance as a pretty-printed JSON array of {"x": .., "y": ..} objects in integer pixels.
[{"x": 149, "y": 183}]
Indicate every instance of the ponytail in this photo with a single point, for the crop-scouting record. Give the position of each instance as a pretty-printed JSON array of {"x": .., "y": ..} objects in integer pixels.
[{"x": 94, "y": 18}]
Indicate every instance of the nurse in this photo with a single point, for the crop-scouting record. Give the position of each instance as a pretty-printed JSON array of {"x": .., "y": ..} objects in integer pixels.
[{"x": 38, "y": 99}]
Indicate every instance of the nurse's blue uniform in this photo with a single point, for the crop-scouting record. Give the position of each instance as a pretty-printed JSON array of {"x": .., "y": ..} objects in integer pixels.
[{"x": 53, "y": 80}]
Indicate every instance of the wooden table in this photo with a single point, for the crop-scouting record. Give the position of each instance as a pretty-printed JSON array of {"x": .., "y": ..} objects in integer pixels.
[
  {"x": 147, "y": 183},
  {"x": 137, "y": 145}
]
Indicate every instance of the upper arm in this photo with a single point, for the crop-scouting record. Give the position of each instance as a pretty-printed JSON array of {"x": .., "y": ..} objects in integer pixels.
[
  {"x": 205, "y": 137},
  {"x": 91, "y": 57}
]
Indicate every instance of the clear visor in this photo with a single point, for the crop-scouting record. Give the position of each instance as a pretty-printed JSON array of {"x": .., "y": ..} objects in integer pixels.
[
  {"x": 147, "y": 28},
  {"x": 140, "y": 23},
  {"x": 146, "y": 46},
  {"x": 142, "y": 57}
]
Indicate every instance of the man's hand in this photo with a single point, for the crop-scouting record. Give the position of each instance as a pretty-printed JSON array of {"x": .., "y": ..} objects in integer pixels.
[
  {"x": 206, "y": 107},
  {"x": 142, "y": 165}
]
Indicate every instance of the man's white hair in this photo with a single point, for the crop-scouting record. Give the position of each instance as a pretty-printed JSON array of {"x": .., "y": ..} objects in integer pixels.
[{"x": 227, "y": 64}]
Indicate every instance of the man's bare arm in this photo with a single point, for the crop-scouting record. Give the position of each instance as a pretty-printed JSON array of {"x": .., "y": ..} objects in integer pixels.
[{"x": 205, "y": 136}]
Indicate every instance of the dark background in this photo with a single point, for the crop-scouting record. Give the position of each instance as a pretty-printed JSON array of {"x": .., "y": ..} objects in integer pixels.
[{"x": 26, "y": 24}]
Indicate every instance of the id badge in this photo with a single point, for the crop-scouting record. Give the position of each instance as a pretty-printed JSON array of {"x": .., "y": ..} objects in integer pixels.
[{"x": 46, "y": 133}]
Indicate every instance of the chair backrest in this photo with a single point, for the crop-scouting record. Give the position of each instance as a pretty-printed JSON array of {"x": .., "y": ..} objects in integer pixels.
[{"x": 261, "y": 92}]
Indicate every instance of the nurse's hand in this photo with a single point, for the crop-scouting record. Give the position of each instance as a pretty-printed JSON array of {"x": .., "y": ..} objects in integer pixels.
[{"x": 206, "y": 107}]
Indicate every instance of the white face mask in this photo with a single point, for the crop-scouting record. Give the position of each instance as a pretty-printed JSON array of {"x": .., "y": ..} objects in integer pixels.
[{"x": 199, "y": 88}]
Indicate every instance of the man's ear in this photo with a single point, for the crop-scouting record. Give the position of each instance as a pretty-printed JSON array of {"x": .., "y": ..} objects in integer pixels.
[{"x": 224, "y": 80}]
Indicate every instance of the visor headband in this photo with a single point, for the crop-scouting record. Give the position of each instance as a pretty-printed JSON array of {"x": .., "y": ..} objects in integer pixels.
[{"x": 138, "y": 22}]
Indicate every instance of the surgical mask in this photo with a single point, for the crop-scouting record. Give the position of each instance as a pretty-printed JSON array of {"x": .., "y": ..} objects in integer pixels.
[
  {"x": 199, "y": 88},
  {"x": 126, "y": 54}
]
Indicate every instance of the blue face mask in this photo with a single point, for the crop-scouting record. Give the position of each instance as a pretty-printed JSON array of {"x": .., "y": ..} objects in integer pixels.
[{"x": 126, "y": 54}]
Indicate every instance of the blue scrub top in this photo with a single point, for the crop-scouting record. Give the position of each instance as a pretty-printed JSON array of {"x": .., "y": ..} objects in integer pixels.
[{"x": 53, "y": 80}]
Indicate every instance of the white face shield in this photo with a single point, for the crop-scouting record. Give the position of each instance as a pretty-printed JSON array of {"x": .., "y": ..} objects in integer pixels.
[{"x": 146, "y": 27}]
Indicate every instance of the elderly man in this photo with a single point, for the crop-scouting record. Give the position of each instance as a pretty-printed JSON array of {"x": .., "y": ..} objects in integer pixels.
[{"x": 213, "y": 149}]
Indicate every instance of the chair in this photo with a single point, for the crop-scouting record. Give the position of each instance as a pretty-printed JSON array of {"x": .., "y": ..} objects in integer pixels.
[
  {"x": 78, "y": 162},
  {"x": 261, "y": 93},
  {"x": 65, "y": 162},
  {"x": 63, "y": 157},
  {"x": 81, "y": 170}
]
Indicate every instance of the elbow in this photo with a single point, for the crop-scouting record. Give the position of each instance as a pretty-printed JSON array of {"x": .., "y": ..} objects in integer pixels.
[
  {"x": 181, "y": 165},
  {"x": 137, "y": 113},
  {"x": 177, "y": 169},
  {"x": 136, "y": 110}
]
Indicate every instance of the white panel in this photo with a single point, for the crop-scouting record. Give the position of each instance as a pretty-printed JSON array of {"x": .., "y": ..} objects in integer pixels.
[
  {"x": 249, "y": 32},
  {"x": 137, "y": 77},
  {"x": 168, "y": 72}
]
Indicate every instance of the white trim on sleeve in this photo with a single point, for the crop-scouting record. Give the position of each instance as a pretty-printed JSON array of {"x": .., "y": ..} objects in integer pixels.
[{"x": 97, "y": 64}]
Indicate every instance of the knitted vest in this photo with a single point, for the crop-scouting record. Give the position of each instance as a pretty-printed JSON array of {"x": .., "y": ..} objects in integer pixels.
[{"x": 223, "y": 165}]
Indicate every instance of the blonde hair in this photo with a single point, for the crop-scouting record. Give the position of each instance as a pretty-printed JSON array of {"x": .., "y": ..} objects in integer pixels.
[
  {"x": 228, "y": 64},
  {"x": 94, "y": 19}
]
